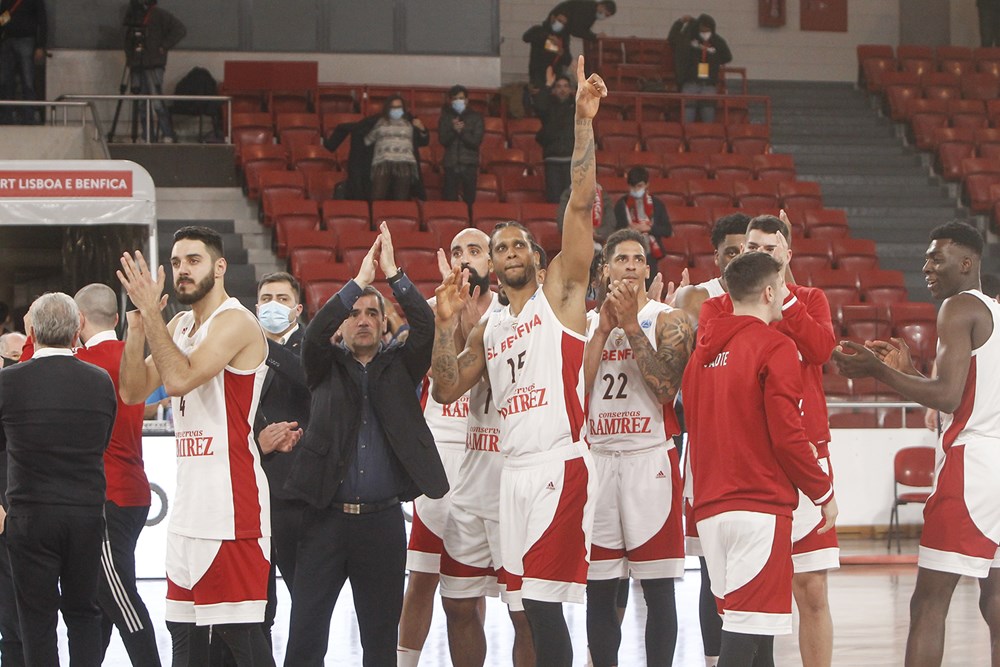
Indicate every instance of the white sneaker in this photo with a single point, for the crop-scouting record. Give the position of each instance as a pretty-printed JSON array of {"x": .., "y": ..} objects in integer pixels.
[{"x": 168, "y": 140}]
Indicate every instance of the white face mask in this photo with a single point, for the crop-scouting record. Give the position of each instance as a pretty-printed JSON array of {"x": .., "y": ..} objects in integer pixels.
[
  {"x": 274, "y": 317},
  {"x": 601, "y": 16},
  {"x": 557, "y": 26},
  {"x": 639, "y": 193},
  {"x": 705, "y": 36}
]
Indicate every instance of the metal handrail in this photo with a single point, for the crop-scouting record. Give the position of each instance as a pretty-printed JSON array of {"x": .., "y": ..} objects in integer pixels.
[
  {"x": 65, "y": 105},
  {"x": 135, "y": 97}
]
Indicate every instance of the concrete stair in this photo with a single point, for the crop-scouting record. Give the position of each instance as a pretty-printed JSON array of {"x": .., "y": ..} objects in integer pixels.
[{"x": 842, "y": 142}]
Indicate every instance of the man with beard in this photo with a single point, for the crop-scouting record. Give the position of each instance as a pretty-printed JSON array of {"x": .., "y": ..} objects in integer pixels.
[
  {"x": 532, "y": 352},
  {"x": 211, "y": 360},
  {"x": 961, "y": 519},
  {"x": 448, "y": 425}
]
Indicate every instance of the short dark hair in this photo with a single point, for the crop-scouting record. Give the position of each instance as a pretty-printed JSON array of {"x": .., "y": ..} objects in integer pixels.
[
  {"x": 610, "y": 6},
  {"x": 637, "y": 175},
  {"x": 562, "y": 77},
  {"x": 770, "y": 224},
  {"x": 370, "y": 290},
  {"x": 734, "y": 223},
  {"x": 211, "y": 238},
  {"x": 281, "y": 277},
  {"x": 749, "y": 273},
  {"x": 961, "y": 233},
  {"x": 512, "y": 223},
  {"x": 455, "y": 90},
  {"x": 990, "y": 284},
  {"x": 543, "y": 257},
  {"x": 621, "y": 236}
]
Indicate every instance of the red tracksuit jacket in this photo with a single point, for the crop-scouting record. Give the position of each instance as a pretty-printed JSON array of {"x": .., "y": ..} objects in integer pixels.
[
  {"x": 749, "y": 451},
  {"x": 806, "y": 320}
]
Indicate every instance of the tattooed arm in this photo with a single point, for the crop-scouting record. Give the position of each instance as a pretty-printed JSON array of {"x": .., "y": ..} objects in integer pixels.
[
  {"x": 663, "y": 368},
  {"x": 454, "y": 373}
]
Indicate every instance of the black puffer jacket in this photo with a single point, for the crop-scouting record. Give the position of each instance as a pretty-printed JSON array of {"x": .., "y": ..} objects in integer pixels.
[
  {"x": 558, "y": 124},
  {"x": 460, "y": 148}
]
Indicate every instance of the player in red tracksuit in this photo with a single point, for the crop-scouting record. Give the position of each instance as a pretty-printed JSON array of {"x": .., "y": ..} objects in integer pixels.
[
  {"x": 749, "y": 452},
  {"x": 806, "y": 320}
]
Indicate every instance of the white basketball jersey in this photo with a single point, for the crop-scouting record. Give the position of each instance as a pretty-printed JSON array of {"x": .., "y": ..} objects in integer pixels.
[
  {"x": 222, "y": 493},
  {"x": 477, "y": 489},
  {"x": 448, "y": 423},
  {"x": 535, "y": 369},
  {"x": 623, "y": 412},
  {"x": 977, "y": 416},
  {"x": 713, "y": 287}
]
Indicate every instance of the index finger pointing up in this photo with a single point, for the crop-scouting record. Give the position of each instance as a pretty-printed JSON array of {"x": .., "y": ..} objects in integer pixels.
[{"x": 580, "y": 74}]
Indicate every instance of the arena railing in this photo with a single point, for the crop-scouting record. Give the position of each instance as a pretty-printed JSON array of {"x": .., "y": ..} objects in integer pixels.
[{"x": 148, "y": 116}]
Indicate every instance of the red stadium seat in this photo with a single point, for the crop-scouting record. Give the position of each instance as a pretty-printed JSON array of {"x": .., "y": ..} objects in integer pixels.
[
  {"x": 839, "y": 286},
  {"x": 812, "y": 254},
  {"x": 704, "y": 192},
  {"x": 311, "y": 272},
  {"x": 313, "y": 157},
  {"x": 987, "y": 60},
  {"x": 921, "y": 338},
  {"x": 337, "y": 99},
  {"x": 617, "y": 135},
  {"x": 940, "y": 86},
  {"x": 913, "y": 58},
  {"x": 297, "y": 129},
  {"x": 521, "y": 132},
  {"x": 967, "y": 113},
  {"x": 257, "y": 159},
  {"x": 912, "y": 312},
  {"x": 446, "y": 230},
  {"x": 353, "y": 246},
  {"x": 774, "y": 167},
  {"x": 506, "y": 161},
  {"x": 494, "y": 133},
  {"x": 401, "y": 215},
  {"x": 749, "y": 139},
  {"x": 320, "y": 185},
  {"x": 898, "y": 96},
  {"x": 874, "y": 69},
  {"x": 980, "y": 86},
  {"x": 987, "y": 142},
  {"x": 882, "y": 287},
  {"x": 825, "y": 223},
  {"x": 978, "y": 175},
  {"x": 346, "y": 214},
  {"x": 854, "y": 254},
  {"x": 685, "y": 165},
  {"x": 487, "y": 188},
  {"x": 686, "y": 221},
  {"x": 652, "y": 162},
  {"x": 756, "y": 193},
  {"x": 705, "y": 137},
  {"x": 310, "y": 247},
  {"x": 487, "y": 215},
  {"x": 865, "y": 321},
  {"x": 451, "y": 211},
  {"x": 250, "y": 129},
  {"x": 673, "y": 191},
  {"x": 953, "y": 144},
  {"x": 800, "y": 194},
  {"x": 955, "y": 59},
  {"x": 926, "y": 116},
  {"x": 330, "y": 121},
  {"x": 519, "y": 189},
  {"x": 278, "y": 184},
  {"x": 609, "y": 163},
  {"x": 532, "y": 212},
  {"x": 320, "y": 291},
  {"x": 662, "y": 137},
  {"x": 293, "y": 215},
  {"x": 733, "y": 166}
]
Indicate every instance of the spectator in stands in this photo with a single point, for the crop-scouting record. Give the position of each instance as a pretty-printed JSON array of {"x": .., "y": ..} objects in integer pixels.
[
  {"x": 460, "y": 131},
  {"x": 556, "y": 108},
  {"x": 150, "y": 33},
  {"x": 646, "y": 214},
  {"x": 358, "y": 184},
  {"x": 396, "y": 138},
  {"x": 699, "y": 52},
  {"x": 10, "y": 347},
  {"x": 989, "y": 22},
  {"x": 549, "y": 50},
  {"x": 23, "y": 32},
  {"x": 602, "y": 215},
  {"x": 582, "y": 14}
]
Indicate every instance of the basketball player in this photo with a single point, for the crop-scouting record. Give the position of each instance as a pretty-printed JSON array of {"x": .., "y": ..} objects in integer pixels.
[
  {"x": 806, "y": 320},
  {"x": 634, "y": 360},
  {"x": 745, "y": 478},
  {"x": 211, "y": 360},
  {"x": 469, "y": 251},
  {"x": 532, "y": 351},
  {"x": 962, "y": 517},
  {"x": 470, "y": 565}
]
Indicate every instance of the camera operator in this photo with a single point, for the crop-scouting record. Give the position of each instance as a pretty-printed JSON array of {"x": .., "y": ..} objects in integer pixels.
[{"x": 150, "y": 32}]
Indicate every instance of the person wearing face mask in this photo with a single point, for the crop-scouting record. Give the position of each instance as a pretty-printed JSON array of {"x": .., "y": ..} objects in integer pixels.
[
  {"x": 581, "y": 15},
  {"x": 699, "y": 52},
  {"x": 396, "y": 138},
  {"x": 549, "y": 42},
  {"x": 646, "y": 214},
  {"x": 460, "y": 131}
]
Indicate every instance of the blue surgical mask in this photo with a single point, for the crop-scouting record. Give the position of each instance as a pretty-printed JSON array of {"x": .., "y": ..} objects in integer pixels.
[
  {"x": 274, "y": 317},
  {"x": 638, "y": 194},
  {"x": 396, "y": 113},
  {"x": 557, "y": 26},
  {"x": 458, "y": 105}
]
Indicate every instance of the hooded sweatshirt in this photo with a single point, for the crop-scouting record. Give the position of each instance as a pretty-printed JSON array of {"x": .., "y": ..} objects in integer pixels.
[
  {"x": 749, "y": 452},
  {"x": 806, "y": 320}
]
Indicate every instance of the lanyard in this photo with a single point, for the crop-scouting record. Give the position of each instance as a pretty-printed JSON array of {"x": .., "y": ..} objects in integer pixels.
[{"x": 704, "y": 53}]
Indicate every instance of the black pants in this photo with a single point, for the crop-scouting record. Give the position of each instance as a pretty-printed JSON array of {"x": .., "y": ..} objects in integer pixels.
[
  {"x": 118, "y": 596},
  {"x": 989, "y": 24},
  {"x": 368, "y": 549},
  {"x": 464, "y": 177},
  {"x": 557, "y": 179},
  {"x": 55, "y": 558},
  {"x": 11, "y": 651}
]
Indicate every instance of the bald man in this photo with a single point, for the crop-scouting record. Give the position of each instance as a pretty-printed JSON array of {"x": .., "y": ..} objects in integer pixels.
[
  {"x": 128, "y": 497},
  {"x": 10, "y": 348}
]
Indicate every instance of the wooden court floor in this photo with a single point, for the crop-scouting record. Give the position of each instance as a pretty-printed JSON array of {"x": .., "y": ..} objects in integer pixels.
[{"x": 869, "y": 603}]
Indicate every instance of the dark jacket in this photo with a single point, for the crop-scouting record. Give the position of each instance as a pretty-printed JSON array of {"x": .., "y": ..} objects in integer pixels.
[
  {"x": 56, "y": 418},
  {"x": 580, "y": 17},
  {"x": 359, "y": 158},
  {"x": 156, "y": 31},
  {"x": 283, "y": 397},
  {"x": 28, "y": 20},
  {"x": 558, "y": 124},
  {"x": 460, "y": 148},
  {"x": 541, "y": 58},
  {"x": 394, "y": 375},
  {"x": 687, "y": 55}
]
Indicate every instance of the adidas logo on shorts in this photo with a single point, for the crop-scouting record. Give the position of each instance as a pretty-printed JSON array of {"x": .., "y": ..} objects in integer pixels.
[
  {"x": 660, "y": 475},
  {"x": 551, "y": 487}
]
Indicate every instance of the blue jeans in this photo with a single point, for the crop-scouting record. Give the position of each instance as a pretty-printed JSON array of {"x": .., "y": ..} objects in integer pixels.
[
  {"x": 150, "y": 82},
  {"x": 702, "y": 110},
  {"x": 17, "y": 60}
]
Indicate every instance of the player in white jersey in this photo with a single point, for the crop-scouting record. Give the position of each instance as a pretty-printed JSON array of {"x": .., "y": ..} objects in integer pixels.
[
  {"x": 211, "y": 360},
  {"x": 532, "y": 351},
  {"x": 728, "y": 236},
  {"x": 634, "y": 361},
  {"x": 961, "y": 531},
  {"x": 468, "y": 251}
]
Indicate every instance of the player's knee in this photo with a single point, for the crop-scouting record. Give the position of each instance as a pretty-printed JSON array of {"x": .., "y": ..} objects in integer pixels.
[
  {"x": 811, "y": 592},
  {"x": 459, "y": 610},
  {"x": 421, "y": 583}
]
